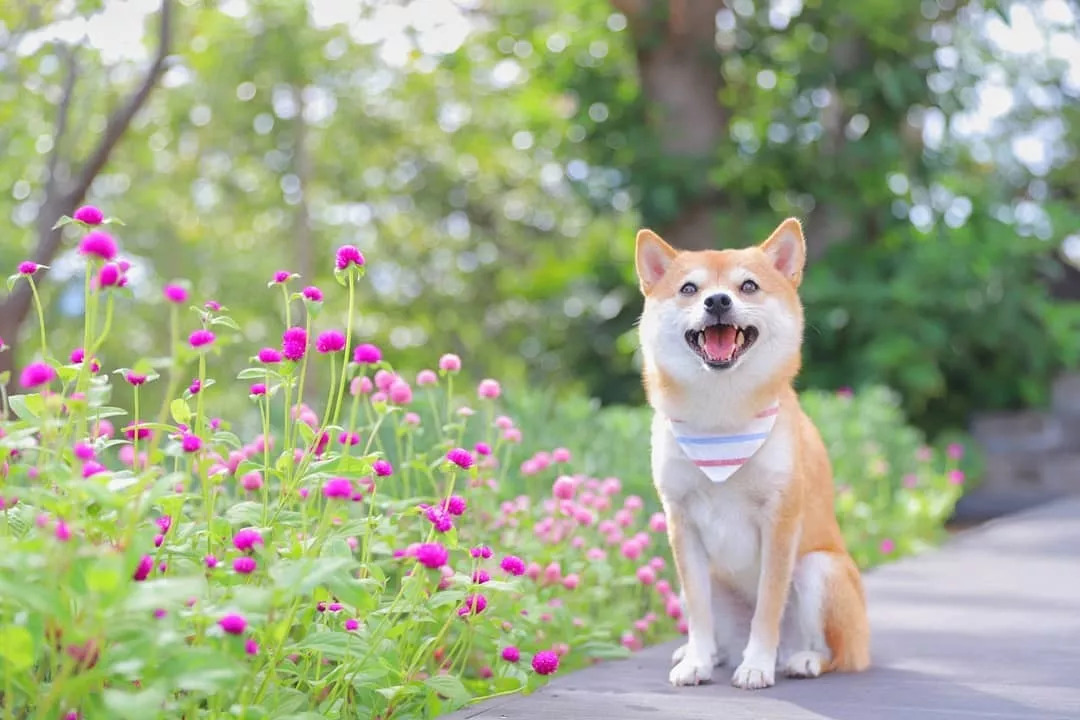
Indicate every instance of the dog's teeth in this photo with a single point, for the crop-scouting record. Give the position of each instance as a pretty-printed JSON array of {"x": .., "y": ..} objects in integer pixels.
[
  {"x": 739, "y": 338},
  {"x": 701, "y": 339}
]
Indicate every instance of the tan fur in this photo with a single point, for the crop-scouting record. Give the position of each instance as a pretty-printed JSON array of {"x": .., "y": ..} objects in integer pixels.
[{"x": 793, "y": 510}]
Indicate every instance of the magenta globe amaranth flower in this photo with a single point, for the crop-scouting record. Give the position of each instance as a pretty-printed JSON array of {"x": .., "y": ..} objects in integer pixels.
[
  {"x": 294, "y": 343},
  {"x": 190, "y": 443},
  {"x": 251, "y": 647},
  {"x": 366, "y": 354},
  {"x": 143, "y": 569},
  {"x": 455, "y": 505},
  {"x": 432, "y": 555},
  {"x": 352, "y": 624},
  {"x": 90, "y": 215},
  {"x": 28, "y": 267},
  {"x": 330, "y": 341},
  {"x": 108, "y": 276},
  {"x": 281, "y": 276},
  {"x": 247, "y": 538},
  {"x": 348, "y": 255},
  {"x": 545, "y": 662},
  {"x": 175, "y": 294},
  {"x": 36, "y": 374},
  {"x": 440, "y": 519},
  {"x": 513, "y": 565},
  {"x": 382, "y": 468},
  {"x": 200, "y": 338},
  {"x": 460, "y": 457},
  {"x": 99, "y": 244},
  {"x": 337, "y": 488},
  {"x": 134, "y": 378},
  {"x": 480, "y": 551},
  {"x": 258, "y": 389},
  {"x": 511, "y": 654},
  {"x": 474, "y": 605},
  {"x": 233, "y": 624},
  {"x": 245, "y": 565},
  {"x": 269, "y": 356},
  {"x": 312, "y": 293}
]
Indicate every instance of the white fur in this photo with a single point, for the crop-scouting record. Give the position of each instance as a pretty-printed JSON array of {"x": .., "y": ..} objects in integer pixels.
[{"x": 723, "y": 523}]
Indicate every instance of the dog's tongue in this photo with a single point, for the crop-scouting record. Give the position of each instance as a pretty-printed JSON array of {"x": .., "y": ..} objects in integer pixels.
[{"x": 720, "y": 342}]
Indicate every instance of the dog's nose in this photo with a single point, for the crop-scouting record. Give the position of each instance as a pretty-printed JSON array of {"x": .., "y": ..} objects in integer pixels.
[{"x": 718, "y": 304}]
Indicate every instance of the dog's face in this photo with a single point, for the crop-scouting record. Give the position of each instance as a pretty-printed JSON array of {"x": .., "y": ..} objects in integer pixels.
[{"x": 735, "y": 312}]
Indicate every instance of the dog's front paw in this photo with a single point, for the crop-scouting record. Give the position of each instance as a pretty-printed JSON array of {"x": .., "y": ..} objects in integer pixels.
[
  {"x": 719, "y": 657},
  {"x": 750, "y": 676},
  {"x": 691, "y": 670}
]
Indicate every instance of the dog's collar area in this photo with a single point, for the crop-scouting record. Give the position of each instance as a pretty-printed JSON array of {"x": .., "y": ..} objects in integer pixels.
[{"x": 718, "y": 455}]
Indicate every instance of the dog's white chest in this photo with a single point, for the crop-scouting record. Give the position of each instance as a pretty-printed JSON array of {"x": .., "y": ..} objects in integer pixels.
[{"x": 727, "y": 518}]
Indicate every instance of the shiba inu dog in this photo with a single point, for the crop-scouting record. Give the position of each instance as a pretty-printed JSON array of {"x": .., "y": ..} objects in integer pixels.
[{"x": 741, "y": 470}]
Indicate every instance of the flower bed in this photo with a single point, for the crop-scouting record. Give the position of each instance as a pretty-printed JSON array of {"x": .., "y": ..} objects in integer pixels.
[{"x": 389, "y": 556}]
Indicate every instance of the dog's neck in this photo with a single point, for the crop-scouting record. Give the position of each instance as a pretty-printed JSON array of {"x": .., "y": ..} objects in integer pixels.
[{"x": 716, "y": 404}]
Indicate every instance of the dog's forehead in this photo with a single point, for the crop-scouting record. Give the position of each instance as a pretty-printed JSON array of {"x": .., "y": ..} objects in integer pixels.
[{"x": 710, "y": 266}]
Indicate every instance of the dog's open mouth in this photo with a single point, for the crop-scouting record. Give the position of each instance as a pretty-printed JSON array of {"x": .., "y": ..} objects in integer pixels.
[{"x": 721, "y": 345}]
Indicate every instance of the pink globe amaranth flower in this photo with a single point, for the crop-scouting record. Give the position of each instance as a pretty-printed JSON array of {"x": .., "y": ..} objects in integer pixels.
[
  {"x": 175, "y": 294},
  {"x": 474, "y": 605},
  {"x": 553, "y": 573},
  {"x": 646, "y": 575},
  {"x": 449, "y": 363},
  {"x": 384, "y": 379},
  {"x": 36, "y": 374},
  {"x": 560, "y": 455},
  {"x": 269, "y": 356},
  {"x": 77, "y": 356},
  {"x": 571, "y": 581},
  {"x": 482, "y": 448},
  {"x": 366, "y": 354},
  {"x": 143, "y": 569},
  {"x": 382, "y": 468},
  {"x": 432, "y": 555},
  {"x": 212, "y": 305},
  {"x": 504, "y": 423},
  {"x": 330, "y": 341},
  {"x": 281, "y": 276},
  {"x": 489, "y": 388},
  {"x": 251, "y": 647},
  {"x": 924, "y": 454},
  {"x": 98, "y": 243},
  {"x": 480, "y": 551},
  {"x": 164, "y": 523},
  {"x": 83, "y": 451},
  {"x": 348, "y": 255},
  {"x": 91, "y": 468},
  {"x": 545, "y": 662},
  {"x": 190, "y": 443},
  {"x": 89, "y": 214},
  {"x": 955, "y": 451},
  {"x": 460, "y": 457},
  {"x": 352, "y": 624},
  {"x": 455, "y": 505},
  {"x": 887, "y": 546},
  {"x": 360, "y": 386},
  {"x": 400, "y": 393},
  {"x": 135, "y": 378},
  {"x": 440, "y": 519},
  {"x": 411, "y": 418},
  {"x": 108, "y": 276},
  {"x": 200, "y": 338},
  {"x": 672, "y": 606},
  {"x": 657, "y": 563},
  {"x": 257, "y": 389},
  {"x": 62, "y": 531},
  {"x": 245, "y": 565},
  {"x": 338, "y": 488},
  {"x": 657, "y": 522},
  {"x": 427, "y": 377},
  {"x": 247, "y": 538},
  {"x": 633, "y": 503},
  {"x": 481, "y": 576},
  {"x": 631, "y": 550},
  {"x": 563, "y": 487},
  {"x": 512, "y": 435},
  {"x": 510, "y": 654},
  {"x": 28, "y": 267},
  {"x": 624, "y": 518},
  {"x": 956, "y": 477},
  {"x": 294, "y": 343},
  {"x": 233, "y": 624}
]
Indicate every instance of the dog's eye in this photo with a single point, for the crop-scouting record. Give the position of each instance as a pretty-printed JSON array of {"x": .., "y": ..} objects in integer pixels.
[
  {"x": 688, "y": 288},
  {"x": 749, "y": 286}
]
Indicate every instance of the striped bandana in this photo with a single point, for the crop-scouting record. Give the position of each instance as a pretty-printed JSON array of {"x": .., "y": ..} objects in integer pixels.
[{"x": 719, "y": 456}]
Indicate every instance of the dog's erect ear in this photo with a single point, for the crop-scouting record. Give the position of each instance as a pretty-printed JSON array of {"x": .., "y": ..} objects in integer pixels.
[
  {"x": 786, "y": 247},
  {"x": 653, "y": 258}
]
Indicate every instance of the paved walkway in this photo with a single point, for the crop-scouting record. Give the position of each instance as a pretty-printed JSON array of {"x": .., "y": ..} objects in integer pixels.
[{"x": 986, "y": 627}]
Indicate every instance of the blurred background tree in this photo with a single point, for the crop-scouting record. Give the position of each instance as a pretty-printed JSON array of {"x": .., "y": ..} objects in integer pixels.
[{"x": 493, "y": 159}]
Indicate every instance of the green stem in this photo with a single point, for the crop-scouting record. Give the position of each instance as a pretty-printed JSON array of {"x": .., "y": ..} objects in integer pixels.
[
  {"x": 348, "y": 341},
  {"x": 88, "y": 359},
  {"x": 40, "y": 316}
]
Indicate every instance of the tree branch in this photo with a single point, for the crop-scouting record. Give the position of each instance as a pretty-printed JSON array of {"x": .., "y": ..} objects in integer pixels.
[
  {"x": 63, "y": 112},
  {"x": 122, "y": 116}
]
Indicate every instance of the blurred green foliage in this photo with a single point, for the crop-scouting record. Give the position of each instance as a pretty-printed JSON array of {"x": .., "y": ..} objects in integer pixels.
[{"x": 494, "y": 159}]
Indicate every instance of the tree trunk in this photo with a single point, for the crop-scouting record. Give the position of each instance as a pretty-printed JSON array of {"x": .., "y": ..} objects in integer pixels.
[{"x": 679, "y": 68}]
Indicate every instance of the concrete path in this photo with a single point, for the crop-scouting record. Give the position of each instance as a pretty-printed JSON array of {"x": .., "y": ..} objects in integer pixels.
[{"x": 986, "y": 627}]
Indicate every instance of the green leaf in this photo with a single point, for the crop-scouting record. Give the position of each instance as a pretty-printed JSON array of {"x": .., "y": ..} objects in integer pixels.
[
  {"x": 18, "y": 647},
  {"x": 27, "y": 407},
  {"x": 450, "y": 687},
  {"x": 180, "y": 411},
  {"x": 226, "y": 321},
  {"x": 140, "y": 705}
]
